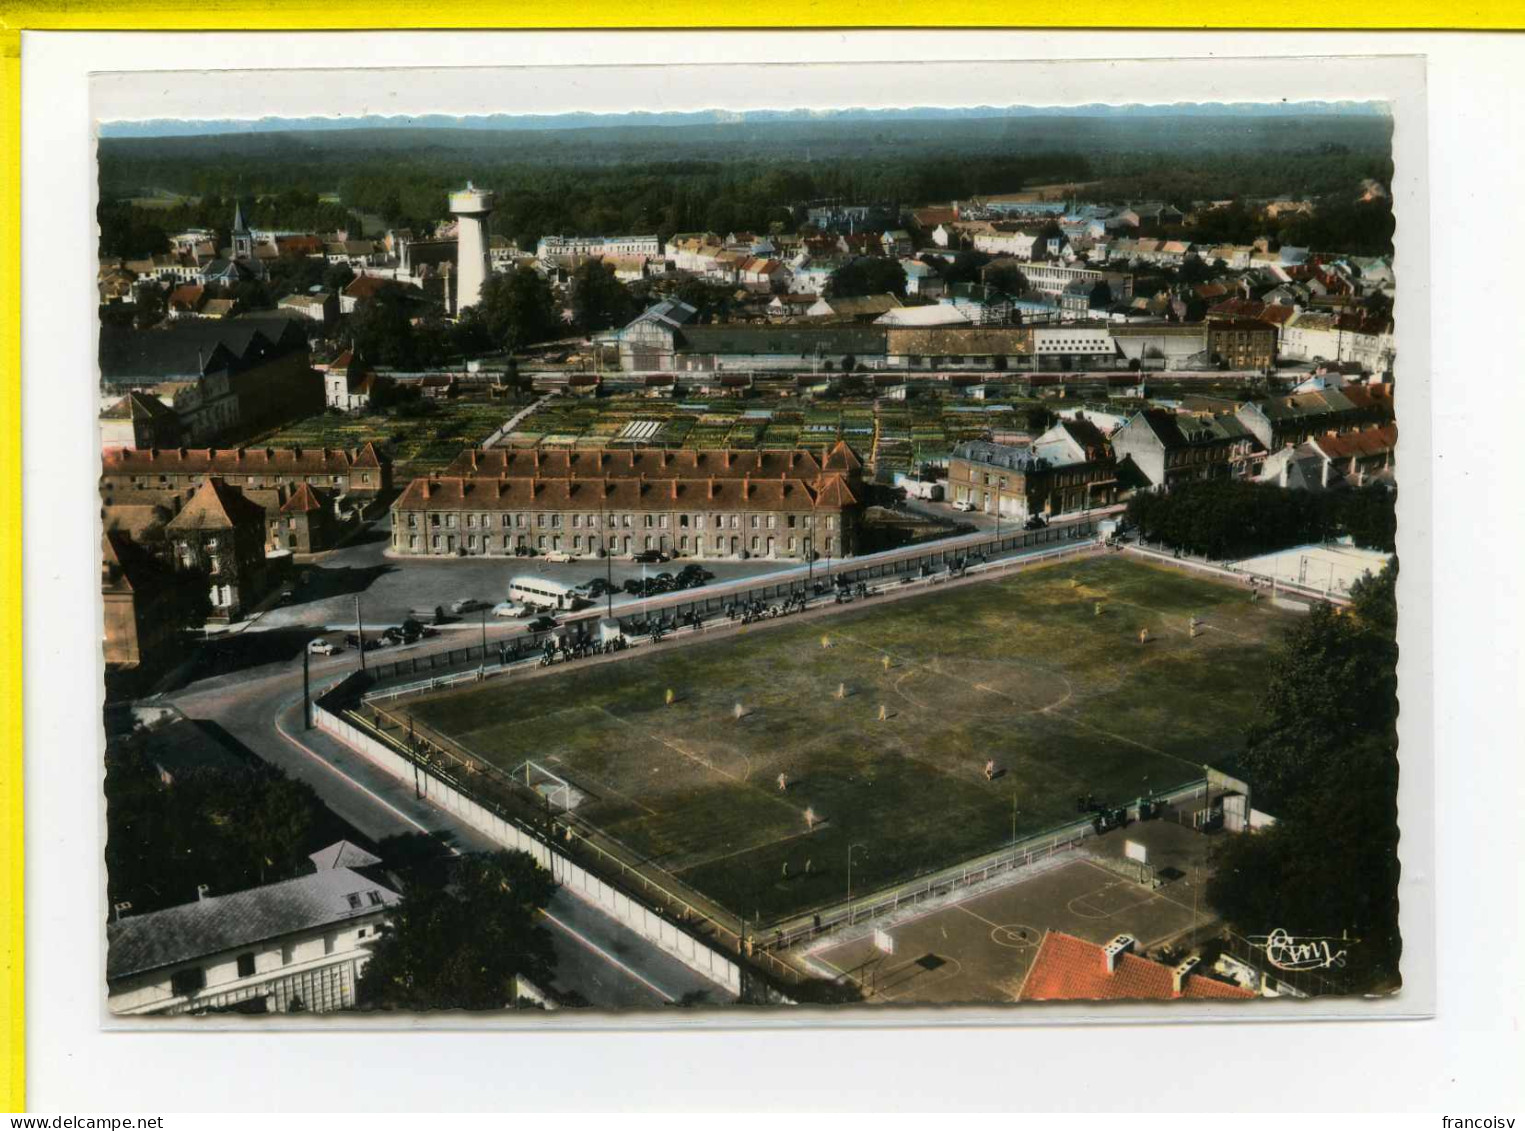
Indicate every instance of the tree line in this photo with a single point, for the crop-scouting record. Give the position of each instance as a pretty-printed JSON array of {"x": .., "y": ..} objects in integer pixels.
[
  {"x": 1322, "y": 758},
  {"x": 1226, "y": 519}
]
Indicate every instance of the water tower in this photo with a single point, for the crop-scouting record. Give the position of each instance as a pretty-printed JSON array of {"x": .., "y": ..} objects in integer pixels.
[{"x": 471, "y": 207}]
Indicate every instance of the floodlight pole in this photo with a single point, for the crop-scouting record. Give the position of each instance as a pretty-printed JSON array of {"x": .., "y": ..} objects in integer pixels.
[
  {"x": 608, "y": 578},
  {"x": 360, "y": 632}
]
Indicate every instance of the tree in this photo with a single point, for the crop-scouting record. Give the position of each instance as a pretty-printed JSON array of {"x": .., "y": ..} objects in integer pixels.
[
  {"x": 966, "y": 267},
  {"x": 517, "y": 309},
  {"x": 1323, "y": 757},
  {"x": 382, "y": 328},
  {"x": 461, "y": 945},
  {"x": 599, "y": 300},
  {"x": 1333, "y": 683},
  {"x": 867, "y": 276},
  {"x": 338, "y": 276},
  {"x": 712, "y": 300},
  {"x": 230, "y": 829},
  {"x": 152, "y": 301},
  {"x": 1006, "y": 279}
]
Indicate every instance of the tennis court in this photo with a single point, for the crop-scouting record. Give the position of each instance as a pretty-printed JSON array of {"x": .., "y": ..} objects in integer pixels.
[{"x": 977, "y": 947}]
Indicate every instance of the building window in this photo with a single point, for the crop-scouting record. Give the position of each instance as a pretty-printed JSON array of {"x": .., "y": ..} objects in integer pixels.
[
  {"x": 183, "y": 983},
  {"x": 683, "y": 523},
  {"x": 412, "y": 541},
  {"x": 577, "y": 520},
  {"x": 246, "y": 965},
  {"x": 646, "y": 521},
  {"x": 450, "y": 521}
]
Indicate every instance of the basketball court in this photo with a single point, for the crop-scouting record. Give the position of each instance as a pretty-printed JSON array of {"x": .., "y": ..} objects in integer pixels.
[{"x": 977, "y": 945}]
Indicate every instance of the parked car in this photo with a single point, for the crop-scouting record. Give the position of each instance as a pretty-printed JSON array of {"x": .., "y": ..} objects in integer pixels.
[
  {"x": 509, "y": 609},
  {"x": 321, "y": 647},
  {"x": 467, "y": 605},
  {"x": 649, "y": 556},
  {"x": 964, "y": 506},
  {"x": 1034, "y": 523},
  {"x": 541, "y": 624}
]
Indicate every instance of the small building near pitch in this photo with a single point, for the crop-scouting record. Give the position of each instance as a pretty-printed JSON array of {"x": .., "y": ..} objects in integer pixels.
[{"x": 296, "y": 945}]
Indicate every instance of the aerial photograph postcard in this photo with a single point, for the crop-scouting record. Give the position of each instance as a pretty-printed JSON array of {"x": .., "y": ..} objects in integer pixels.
[{"x": 843, "y": 559}]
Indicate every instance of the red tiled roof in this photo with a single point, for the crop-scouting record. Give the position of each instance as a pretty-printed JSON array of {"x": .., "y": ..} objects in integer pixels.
[
  {"x": 1236, "y": 308},
  {"x": 216, "y": 506},
  {"x": 1365, "y": 442},
  {"x": 648, "y": 463},
  {"x": 1070, "y": 969},
  {"x": 238, "y": 461},
  {"x": 303, "y": 499},
  {"x": 367, "y": 286}
]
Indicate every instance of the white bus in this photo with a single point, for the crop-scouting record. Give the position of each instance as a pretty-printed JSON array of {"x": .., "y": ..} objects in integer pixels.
[{"x": 543, "y": 593}]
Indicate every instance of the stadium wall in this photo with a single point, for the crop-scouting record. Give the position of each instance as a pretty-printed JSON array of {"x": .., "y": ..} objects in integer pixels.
[{"x": 642, "y": 920}]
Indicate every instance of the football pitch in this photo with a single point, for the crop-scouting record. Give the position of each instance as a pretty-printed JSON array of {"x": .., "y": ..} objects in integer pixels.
[{"x": 881, "y": 719}]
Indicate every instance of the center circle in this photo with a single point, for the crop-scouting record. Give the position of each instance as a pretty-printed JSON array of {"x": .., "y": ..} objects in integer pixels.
[{"x": 1017, "y": 936}]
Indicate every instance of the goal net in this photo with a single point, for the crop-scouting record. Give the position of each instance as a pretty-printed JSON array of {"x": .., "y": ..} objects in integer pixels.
[{"x": 557, "y": 791}]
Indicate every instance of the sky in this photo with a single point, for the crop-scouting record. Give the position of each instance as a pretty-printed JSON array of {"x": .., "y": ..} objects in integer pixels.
[{"x": 187, "y": 128}]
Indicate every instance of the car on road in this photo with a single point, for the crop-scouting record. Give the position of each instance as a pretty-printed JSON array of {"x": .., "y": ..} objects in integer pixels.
[
  {"x": 649, "y": 556},
  {"x": 1035, "y": 523},
  {"x": 467, "y": 605},
  {"x": 510, "y": 609},
  {"x": 541, "y": 624},
  {"x": 558, "y": 556},
  {"x": 597, "y": 587},
  {"x": 964, "y": 506},
  {"x": 322, "y": 647}
]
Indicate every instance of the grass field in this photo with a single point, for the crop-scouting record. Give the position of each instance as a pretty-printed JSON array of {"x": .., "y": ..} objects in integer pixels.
[{"x": 1020, "y": 670}]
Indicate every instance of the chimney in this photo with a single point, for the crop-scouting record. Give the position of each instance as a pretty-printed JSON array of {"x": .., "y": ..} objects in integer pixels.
[
  {"x": 1179, "y": 975},
  {"x": 1114, "y": 950}
]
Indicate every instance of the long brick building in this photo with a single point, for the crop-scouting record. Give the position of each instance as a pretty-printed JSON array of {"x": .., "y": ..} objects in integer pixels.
[
  {"x": 300, "y": 489},
  {"x": 769, "y": 504}
]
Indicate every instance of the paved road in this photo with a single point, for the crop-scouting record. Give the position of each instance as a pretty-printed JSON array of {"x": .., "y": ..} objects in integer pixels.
[
  {"x": 597, "y": 957},
  {"x": 390, "y": 588}
]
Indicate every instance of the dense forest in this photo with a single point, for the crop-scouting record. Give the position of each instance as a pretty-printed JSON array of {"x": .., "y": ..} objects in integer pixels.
[{"x": 744, "y": 176}]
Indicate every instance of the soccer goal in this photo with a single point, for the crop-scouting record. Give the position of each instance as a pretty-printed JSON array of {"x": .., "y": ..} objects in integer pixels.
[{"x": 556, "y": 790}]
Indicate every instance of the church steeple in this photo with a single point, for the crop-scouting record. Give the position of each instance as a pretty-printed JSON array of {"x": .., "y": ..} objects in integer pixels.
[{"x": 243, "y": 239}]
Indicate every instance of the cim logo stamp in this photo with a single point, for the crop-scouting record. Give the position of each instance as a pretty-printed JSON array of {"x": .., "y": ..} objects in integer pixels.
[{"x": 1311, "y": 952}]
